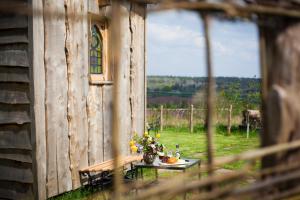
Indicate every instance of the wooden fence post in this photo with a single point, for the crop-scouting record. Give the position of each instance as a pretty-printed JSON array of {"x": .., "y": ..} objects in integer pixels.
[
  {"x": 248, "y": 123},
  {"x": 191, "y": 119},
  {"x": 229, "y": 120},
  {"x": 161, "y": 117}
]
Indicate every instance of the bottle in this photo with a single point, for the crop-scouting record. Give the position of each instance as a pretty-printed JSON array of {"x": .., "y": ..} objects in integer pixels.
[{"x": 177, "y": 153}]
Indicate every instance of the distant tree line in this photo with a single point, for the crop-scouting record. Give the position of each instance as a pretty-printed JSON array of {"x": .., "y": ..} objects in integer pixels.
[{"x": 180, "y": 92}]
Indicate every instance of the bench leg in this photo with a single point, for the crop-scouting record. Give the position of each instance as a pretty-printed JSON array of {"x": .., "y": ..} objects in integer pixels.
[
  {"x": 142, "y": 173},
  {"x": 132, "y": 171},
  {"x": 102, "y": 181}
]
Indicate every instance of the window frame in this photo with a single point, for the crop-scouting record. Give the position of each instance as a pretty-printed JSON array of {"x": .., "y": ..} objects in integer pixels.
[{"x": 105, "y": 77}]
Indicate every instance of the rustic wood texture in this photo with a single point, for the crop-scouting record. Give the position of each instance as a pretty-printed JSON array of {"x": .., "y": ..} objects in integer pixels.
[
  {"x": 11, "y": 171},
  {"x": 209, "y": 95},
  {"x": 13, "y": 22},
  {"x": 56, "y": 88},
  {"x": 14, "y": 58},
  {"x": 14, "y": 114},
  {"x": 118, "y": 110},
  {"x": 192, "y": 118},
  {"x": 72, "y": 119},
  {"x": 107, "y": 121},
  {"x": 16, "y": 175},
  {"x": 16, "y": 155},
  {"x": 14, "y": 190},
  {"x": 95, "y": 121},
  {"x": 14, "y": 74},
  {"x": 12, "y": 39},
  {"x": 77, "y": 64},
  {"x": 137, "y": 67},
  {"x": 14, "y": 93},
  {"x": 93, "y": 6},
  {"x": 124, "y": 85},
  {"x": 109, "y": 164},
  {"x": 229, "y": 120},
  {"x": 39, "y": 81},
  {"x": 15, "y": 137},
  {"x": 281, "y": 114}
]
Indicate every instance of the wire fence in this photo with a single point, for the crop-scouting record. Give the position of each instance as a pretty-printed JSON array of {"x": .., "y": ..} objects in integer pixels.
[{"x": 185, "y": 118}]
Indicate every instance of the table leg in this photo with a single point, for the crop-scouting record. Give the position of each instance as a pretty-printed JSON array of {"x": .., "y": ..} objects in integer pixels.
[
  {"x": 136, "y": 173},
  {"x": 184, "y": 194},
  {"x": 131, "y": 169},
  {"x": 156, "y": 174},
  {"x": 142, "y": 173},
  {"x": 199, "y": 166}
]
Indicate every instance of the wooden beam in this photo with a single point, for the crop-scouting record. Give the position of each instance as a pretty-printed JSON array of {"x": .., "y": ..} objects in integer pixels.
[
  {"x": 37, "y": 45},
  {"x": 210, "y": 95},
  {"x": 232, "y": 10}
]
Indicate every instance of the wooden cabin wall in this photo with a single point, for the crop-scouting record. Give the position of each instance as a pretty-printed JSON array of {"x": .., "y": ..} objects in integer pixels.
[
  {"x": 74, "y": 117},
  {"x": 16, "y": 149}
]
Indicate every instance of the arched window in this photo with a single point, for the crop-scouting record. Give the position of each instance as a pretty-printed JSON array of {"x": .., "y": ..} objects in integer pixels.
[{"x": 96, "y": 49}]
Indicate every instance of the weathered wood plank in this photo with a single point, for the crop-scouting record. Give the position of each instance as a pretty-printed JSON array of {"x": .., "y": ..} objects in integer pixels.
[
  {"x": 16, "y": 155},
  {"x": 93, "y": 6},
  {"x": 20, "y": 173},
  {"x": 14, "y": 195},
  {"x": 14, "y": 58},
  {"x": 95, "y": 120},
  {"x": 77, "y": 61},
  {"x": 14, "y": 114},
  {"x": 13, "y": 22},
  {"x": 12, "y": 39},
  {"x": 15, "y": 137},
  {"x": 13, "y": 190},
  {"x": 58, "y": 163},
  {"x": 107, "y": 121},
  {"x": 14, "y": 93},
  {"x": 281, "y": 106},
  {"x": 14, "y": 74},
  {"x": 39, "y": 81},
  {"x": 137, "y": 66},
  {"x": 124, "y": 84}
]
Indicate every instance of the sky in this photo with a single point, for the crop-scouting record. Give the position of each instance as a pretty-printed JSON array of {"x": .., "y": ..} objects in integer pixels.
[{"x": 175, "y": 46}]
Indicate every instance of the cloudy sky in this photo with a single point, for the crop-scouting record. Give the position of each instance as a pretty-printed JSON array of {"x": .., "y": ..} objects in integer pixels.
[{"x": 176, "y": 46}]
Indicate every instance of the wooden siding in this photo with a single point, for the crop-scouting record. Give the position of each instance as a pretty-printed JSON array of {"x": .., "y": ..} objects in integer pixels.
[
  {"x": 16, "y": 165},
  {"x": 72, "y": 118},
  {"x": 78, "y": 114}
]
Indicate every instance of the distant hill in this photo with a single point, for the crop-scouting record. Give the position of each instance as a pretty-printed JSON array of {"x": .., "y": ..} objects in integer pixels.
[{"x": 174, "y": 91}]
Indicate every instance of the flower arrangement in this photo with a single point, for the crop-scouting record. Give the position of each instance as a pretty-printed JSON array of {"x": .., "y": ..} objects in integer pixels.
[{"x": 147, "y": 144}]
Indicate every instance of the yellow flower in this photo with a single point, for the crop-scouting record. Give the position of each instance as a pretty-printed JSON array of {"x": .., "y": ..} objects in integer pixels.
[
  {"x": 133, "y": 148},
  {"x": 146, "y": 134},
  {"x": 157, "y": 135},
  {"x": 132, "y": 142}
]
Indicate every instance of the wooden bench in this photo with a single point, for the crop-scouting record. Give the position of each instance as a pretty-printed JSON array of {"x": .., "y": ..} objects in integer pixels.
[{"x": 106, "y": 167}]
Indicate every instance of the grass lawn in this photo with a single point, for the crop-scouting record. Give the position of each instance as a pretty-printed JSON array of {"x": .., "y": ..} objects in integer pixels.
[{"x": 192, "y": 145}]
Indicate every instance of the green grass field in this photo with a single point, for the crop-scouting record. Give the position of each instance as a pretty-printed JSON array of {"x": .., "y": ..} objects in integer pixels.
[{"x": 192, "y": 145}]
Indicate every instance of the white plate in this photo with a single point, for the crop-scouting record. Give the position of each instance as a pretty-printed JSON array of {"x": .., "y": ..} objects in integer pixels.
[{"x": 179, "y": 162}]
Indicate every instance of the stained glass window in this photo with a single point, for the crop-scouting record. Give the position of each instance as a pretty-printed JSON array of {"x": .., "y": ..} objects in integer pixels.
[{"x": 96, "y": 51}]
